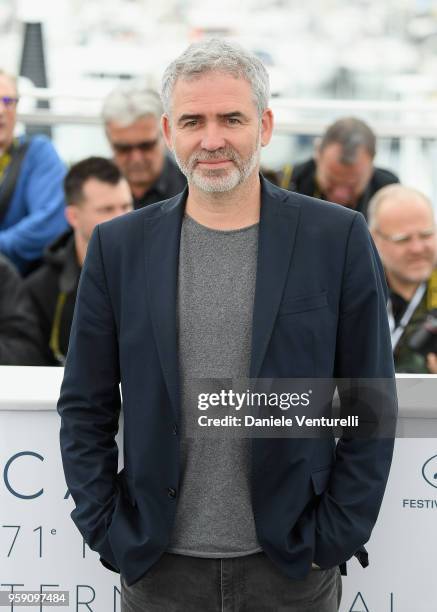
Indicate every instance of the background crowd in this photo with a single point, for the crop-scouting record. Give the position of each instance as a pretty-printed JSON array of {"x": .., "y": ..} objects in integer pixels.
[{"x": 47, "y": 215}]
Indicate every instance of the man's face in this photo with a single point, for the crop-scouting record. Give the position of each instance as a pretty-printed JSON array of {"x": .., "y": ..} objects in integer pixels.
[
  {"x": 102, "y": 202},
  {"x": 8, "y": 112},
  {"x": 404, "y": 236},
  {"x": 215, "y": 131},
  {"x": 138, "y": 150},
  {"x": 339, "y": 182}
]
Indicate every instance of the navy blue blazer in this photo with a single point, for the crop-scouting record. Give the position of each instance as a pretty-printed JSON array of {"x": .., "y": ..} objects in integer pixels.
[{"x": 319, "y": 311}]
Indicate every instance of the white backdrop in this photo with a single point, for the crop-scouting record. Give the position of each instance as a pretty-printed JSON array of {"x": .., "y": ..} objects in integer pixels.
[{"x": 39, "y": 544}]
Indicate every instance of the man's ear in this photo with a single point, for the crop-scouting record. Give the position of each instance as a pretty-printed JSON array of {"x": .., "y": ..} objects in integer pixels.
[
  {"x": 71, "y": 214},
  {"x": 166, "y": 130},
  {"x": 266, "y": 127}
]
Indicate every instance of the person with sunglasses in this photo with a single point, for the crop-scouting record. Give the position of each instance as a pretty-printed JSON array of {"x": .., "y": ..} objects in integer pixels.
[
  {"x": 402, "y": 224},
  {"x": 132, "y": 114},
  {"x": 31, "y": 194}
]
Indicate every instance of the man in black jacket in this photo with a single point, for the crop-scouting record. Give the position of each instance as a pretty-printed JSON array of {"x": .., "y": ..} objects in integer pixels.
[
  {"x": 95, "y": 191},
  {"x": 342, "y": 169},
  {"x": 20, "y": 341},
  {"x": 232, "y": 279},
  {"x": 132, "y": 114}
]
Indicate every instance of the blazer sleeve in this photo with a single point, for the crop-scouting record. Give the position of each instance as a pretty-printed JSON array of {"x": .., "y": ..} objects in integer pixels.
[
  {"x": 349, "y": 508},
  {"x": 89, "y": 405}
]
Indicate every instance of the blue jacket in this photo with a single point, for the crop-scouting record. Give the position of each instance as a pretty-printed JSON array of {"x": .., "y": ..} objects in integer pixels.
[
  {"x": 35, "y": 215},
  {"x": 319, "y": 311}
]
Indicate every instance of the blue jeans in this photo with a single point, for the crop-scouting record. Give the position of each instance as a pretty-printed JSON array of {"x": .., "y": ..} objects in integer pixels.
[{"x": 253, "y": 583}]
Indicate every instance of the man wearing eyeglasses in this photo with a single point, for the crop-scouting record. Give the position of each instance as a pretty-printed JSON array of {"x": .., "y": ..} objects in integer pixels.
[
  {"x": 132, "y": 115},
  {"x": 402, "y": 223},
  {"x": 31, "y": 194}
]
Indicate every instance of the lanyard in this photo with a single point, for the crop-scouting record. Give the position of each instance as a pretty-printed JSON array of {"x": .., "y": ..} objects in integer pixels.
[
  {"x": 56, "y": 327},
  {"x": 396, "y": 332}
]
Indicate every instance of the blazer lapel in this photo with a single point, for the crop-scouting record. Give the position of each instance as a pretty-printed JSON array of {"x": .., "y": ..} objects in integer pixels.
[
  {"x": 277, "y": 233},
  {"x": 162, "y": 238}
]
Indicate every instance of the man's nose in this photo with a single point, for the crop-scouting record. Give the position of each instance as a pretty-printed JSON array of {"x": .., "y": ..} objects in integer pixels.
[
  {"x": 212, "y": 138},
  {"x": 136, "y": 155}
]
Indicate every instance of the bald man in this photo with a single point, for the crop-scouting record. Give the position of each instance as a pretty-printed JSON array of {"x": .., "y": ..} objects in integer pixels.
[{"x": 402, "y": 224}]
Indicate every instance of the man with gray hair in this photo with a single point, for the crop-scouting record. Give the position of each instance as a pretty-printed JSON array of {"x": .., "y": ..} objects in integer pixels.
[
  {"x": 132, "y": 114},
  {"x": 342, "y": 169},
  {"x": 238, "y": 279}
]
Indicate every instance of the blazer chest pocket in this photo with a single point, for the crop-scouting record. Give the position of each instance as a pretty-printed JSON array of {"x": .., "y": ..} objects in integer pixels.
[{"x": 303, "y": 303}]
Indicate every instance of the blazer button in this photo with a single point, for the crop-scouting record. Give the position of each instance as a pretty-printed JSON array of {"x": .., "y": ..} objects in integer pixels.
[
  {"x": 171, "y": 492},
  {"x": 175, "y": 430}
]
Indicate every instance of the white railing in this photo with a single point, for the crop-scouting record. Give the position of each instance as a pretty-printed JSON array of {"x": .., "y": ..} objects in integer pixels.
[{"x": 294, "y": 116}]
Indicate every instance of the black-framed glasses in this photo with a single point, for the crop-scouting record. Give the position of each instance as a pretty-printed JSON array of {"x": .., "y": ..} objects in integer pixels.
[
  {"x": 9, "y": 101},
  {"x": 125, "y": 149}
]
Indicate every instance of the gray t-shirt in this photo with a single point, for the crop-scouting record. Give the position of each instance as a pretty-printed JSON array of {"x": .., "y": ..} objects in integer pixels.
[{"x": 217, "y": 273}]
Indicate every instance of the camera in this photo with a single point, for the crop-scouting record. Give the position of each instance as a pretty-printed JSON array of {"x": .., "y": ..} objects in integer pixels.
[{"x": 424, "y": 339}]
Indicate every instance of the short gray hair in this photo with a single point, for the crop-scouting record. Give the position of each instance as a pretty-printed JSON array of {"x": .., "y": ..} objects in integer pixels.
[
  {"x": 393, "y": 192},
  {"x": 131, "y": 101},
  {"x": 216, "y": 55},
  {"x": 13, "y": 79}
]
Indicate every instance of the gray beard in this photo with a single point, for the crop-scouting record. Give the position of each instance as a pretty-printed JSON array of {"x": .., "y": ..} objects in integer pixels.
[{"x": 222, "y": 180}]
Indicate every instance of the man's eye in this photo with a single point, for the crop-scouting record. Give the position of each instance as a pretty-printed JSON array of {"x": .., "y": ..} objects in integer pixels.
[
  {"x": 190, "y": 123},
  {"x": 233, "y": 121}
]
